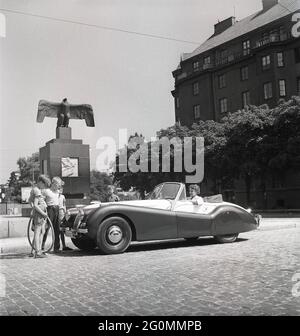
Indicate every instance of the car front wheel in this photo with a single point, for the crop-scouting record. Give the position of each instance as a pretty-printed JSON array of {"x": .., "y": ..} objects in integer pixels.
[
  {"x": 114, "y": 235},
  {"x": 227, "y": 239}
]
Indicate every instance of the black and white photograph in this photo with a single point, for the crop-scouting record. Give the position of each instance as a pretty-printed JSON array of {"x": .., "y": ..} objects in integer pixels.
[{"x": 149, "y": 162}]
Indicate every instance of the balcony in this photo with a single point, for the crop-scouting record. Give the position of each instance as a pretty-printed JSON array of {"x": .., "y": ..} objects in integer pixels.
[
  {"x": 233, "y": 57},
  {"x": 210, "y": 66},
  {"x": 275, "y": 38},
  {"x": 207, "y": 66}
]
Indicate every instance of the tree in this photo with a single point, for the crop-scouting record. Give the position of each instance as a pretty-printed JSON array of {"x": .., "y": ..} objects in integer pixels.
[
  {"x": 215, "y": 142},
  {"x": 251, "y": 144},
  {"x": 99, "y": 185},
  {"x": 286, "y": 137},
  {"x": 142, "y": 152},
  {"x": 29, "y": 168},
  {"x": 245, "y": 132}
]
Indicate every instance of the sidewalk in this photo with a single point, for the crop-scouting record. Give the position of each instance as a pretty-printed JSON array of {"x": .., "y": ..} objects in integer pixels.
[
  {"x": 279, "y": 223},
  {"x": 20, "y": 245}
]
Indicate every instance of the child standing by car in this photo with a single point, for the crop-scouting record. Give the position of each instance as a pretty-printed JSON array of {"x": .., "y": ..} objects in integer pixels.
[
  {"x": 39, "y": 206},
  {"x": 61, "y": 216},
  {"x": 194, "y": 194},
  {"x": 112, "y": 196},
  {"x": 51, "y": 198}
]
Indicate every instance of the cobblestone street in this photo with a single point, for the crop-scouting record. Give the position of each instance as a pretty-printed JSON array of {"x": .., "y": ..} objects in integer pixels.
[{"x": 250, "y": 277}]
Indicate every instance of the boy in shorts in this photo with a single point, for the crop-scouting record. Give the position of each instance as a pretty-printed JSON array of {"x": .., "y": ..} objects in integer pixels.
[{"x": 61, "y": 216}]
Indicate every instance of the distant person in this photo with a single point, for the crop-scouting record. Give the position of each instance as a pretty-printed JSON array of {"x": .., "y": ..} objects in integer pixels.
[
  {"x": 194, "y": 194},
  {"x": 113, "y": 197},
  {"x": 61, "y": 216},
  {"x": 39, "y": 215},
  {"x": 51, "y": 197}
]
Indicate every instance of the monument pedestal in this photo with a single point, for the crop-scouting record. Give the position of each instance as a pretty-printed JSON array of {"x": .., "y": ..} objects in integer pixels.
[{"x": 70, "y": 160}]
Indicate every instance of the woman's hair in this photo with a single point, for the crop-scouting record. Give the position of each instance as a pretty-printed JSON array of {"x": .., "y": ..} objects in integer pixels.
[
  {"x": 58, "y": 181},
  {"x": 196, "y": 188},
  {"x": 45, "y": 179}
]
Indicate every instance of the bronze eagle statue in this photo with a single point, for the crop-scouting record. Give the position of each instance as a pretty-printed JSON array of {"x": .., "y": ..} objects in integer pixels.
[{"x": 64, "y": 112}]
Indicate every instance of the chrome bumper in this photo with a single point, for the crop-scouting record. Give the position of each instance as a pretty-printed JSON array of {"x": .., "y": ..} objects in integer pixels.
[{"x": 73, "y": 233}]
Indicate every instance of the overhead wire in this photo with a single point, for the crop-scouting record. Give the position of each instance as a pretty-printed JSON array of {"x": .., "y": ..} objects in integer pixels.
[{"x": 98, "y": 26}]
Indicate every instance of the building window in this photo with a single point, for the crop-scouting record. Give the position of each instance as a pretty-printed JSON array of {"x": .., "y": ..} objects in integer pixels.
[
  {"x": 177, "y": 102},
  {"x": 244, "y": 73},
  {"x": 223, "y": 105},
  {"x": 246, "y": 47},
  {"x": 195, "y": 89},
  {"x": 207, "y": 60},
  {"x": 196, "y": 66},
  {"x": 282, "y": 33},
  {"x": 246, "y": 98},
  {"x": 297, "y": 55},
  {"x": 268, "y": 90},
  {"x": 280, "y": 60},
  {"x": 222, "y": 81},
  {"x": 282, "y": 88},
  {"x": 197, "y": 113},
  {"x": 266, "y": 62}
]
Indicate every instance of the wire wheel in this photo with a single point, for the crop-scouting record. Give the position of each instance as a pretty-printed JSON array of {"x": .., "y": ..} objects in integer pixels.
[{"x": 50, "y": 235}]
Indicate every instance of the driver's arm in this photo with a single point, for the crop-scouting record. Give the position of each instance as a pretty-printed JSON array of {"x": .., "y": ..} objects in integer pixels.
[{"x": 198, "y": 200}]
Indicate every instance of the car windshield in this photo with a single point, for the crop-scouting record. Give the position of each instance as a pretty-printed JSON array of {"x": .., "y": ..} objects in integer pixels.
[{"x": 165, "y": 191}]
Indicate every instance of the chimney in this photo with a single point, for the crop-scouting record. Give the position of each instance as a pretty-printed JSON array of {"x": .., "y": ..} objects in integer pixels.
[
  {"x": 267, "y": 4},
  {"x": 220, "y": 27}
]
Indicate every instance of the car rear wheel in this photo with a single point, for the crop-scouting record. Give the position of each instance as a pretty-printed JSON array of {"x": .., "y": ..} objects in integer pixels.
[
  {"x": 84, "y": 243},
  {"x": 227, "y": 239},
  {"x": 114, "y": 235}
]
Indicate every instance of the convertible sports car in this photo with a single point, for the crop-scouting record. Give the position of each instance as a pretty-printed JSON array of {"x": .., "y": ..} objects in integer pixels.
[{"x": 167, "y": 214}]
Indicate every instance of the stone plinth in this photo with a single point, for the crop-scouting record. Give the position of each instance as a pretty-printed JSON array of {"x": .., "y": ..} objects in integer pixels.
[
  {"x": 70, "y": 160},
  {"x": 64, "y": 133}
]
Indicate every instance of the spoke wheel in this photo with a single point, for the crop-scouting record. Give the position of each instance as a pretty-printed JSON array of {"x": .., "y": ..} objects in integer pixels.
[{"x": 114, "y": 235}]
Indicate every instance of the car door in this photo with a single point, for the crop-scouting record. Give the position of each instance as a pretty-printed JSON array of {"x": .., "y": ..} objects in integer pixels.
[
  {"x": 192, "y": 220},
  {"x": 155, "y": 224}
]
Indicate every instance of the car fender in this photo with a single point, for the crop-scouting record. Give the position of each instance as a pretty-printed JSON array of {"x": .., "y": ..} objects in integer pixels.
[{"x": 229, "y": 219}]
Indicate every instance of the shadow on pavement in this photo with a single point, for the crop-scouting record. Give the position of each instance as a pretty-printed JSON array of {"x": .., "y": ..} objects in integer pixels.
[
  {"x": 134, "y": 248},
  {"x": 15, "y": 256}
]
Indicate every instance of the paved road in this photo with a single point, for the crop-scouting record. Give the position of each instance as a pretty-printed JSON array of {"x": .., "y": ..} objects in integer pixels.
[{"x": 250, "y": 277}]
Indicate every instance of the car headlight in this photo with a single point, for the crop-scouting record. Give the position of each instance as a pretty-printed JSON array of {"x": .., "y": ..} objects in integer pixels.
[
  {"x": 79, "y": 218},
  {"x": 67, "y": 215}
]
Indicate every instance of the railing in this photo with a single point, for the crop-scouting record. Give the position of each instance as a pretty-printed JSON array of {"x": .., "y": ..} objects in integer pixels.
[
  {"x": 271, "y": 39},
  {"x": 231, "y": 58},
  {"x": 235, "y": 56}
]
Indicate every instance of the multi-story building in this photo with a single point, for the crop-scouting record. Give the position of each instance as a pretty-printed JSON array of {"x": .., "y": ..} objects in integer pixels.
[{"x": 252, "y": 61}]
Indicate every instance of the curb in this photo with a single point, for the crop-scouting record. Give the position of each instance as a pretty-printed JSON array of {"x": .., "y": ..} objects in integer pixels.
[{"x": 278, "y": 227}]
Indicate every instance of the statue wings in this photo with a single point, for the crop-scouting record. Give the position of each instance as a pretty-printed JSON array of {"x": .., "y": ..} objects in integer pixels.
[{"x": 51, "y": 110}]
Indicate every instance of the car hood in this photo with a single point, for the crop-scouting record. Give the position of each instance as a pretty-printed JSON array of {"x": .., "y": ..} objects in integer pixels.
[{"x": 156, "y": 204}]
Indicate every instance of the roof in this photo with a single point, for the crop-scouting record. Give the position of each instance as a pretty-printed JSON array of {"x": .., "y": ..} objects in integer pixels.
[{"x": 247, "y": 25}]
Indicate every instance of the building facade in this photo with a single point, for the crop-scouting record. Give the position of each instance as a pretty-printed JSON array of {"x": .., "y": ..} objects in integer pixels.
[{"x": 254, "y": 61}]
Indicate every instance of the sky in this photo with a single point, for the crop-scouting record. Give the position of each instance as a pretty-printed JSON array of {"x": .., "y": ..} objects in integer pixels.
[{"x": 127, "y": 78}]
